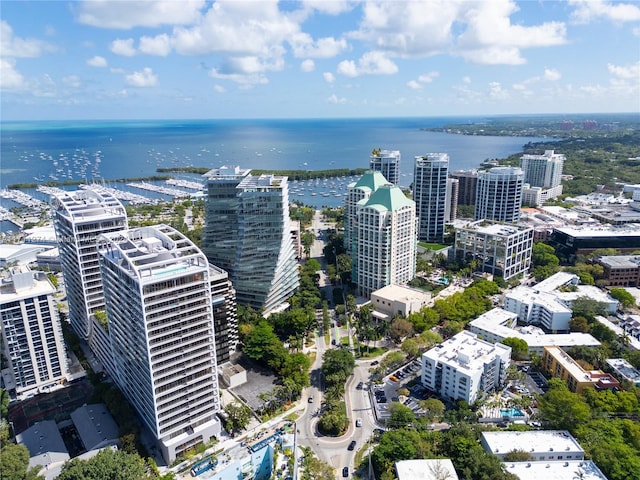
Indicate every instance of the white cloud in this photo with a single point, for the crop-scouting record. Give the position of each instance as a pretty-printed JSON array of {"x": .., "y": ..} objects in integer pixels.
[
  {"x": 466, "y": 80},
  {"x": 496, "y": 92},
  {"x": 123, "y": 47},
  {"x": 332, "y": 7},
  {"x": 16, "y": 47},
  {"x": 219, "y": 88},
  {"x": 551, "y": 75},
  {"x": 631, "y": 72},
  {"x": 97, "y": 61},
  {"x": 308, "y": 66},
  {"x": 371, "y": 63},
  {"x": 590, "y": 10},
  {"x": 428, "y": 77},
  {"x": 327, "y": 47},
  {"x": 159, "y": 45},
  {"x": 336, "y": 100},
  {"x": 140, "y": 13},
  {"x": 329, "y": 77},
  {"x": 10, "y": 78},
  {"x": 72, "y": 81},
  {"x": 244, "y": 80},
  {"x": 414, "y": 85},
  {"x": 143, "y": 78}
]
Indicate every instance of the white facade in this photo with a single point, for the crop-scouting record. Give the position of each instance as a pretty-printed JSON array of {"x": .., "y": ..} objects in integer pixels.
[
  {"x": 555, "y": 470},
  {"x": 499, "y": 194},
  {"x": 543, "y": 170},
  {"x": 158, "y": 293},
  {"x": 386, "y": 162},
  {"x": 399, "y": 300},
  {"x": 32, "y": 342},
  {"x": 540, "y": 444},
  {"x": 386, "y": 240},
  {"x": 426, "y": 469},
  {"x": 497, "y": 324},
  {"x": 464, "y": 366},
  {"x": 592, "y": 292},
  {"x": 79, "y": 217},
  {"x": 537, "y": 307},
  {"x": 503, "y": 250},
  {"x": 430, "y": 194}
]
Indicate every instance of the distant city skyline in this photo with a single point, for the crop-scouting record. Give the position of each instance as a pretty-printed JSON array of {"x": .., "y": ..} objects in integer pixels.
[{"x": 316, "y": 59}]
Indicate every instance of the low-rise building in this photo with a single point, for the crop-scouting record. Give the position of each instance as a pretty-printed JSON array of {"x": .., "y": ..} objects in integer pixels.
[
  {"x": 497, "y": 324},
  {"x": 537, "y": 307},
  {"x": 541, "y": 445},
  {"x": 426, "y": 469},
  {"x": 464, "y": 367},
  {"x": 624, "y": 369},
  {"x": 560, "y": 365},
  {"x": 46, "y": 447},
  {"x": 503, "y": 250},
  {"x": 555, "y": 470},
  {"x": 398, "y": 300},
  {"x": 621, "y": 270},
  {"x": 572, "y": 241},
  {"x": 588, "y": 291}
]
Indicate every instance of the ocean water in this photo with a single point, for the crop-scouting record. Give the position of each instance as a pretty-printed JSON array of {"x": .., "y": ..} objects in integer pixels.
[{"x": 108, "y": 150}]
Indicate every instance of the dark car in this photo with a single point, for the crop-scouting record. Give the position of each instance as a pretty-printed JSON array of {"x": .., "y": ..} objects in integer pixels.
[
  {"x": 360, "y": 385},
  {"x": 375, "y": 362},
  {"x": 345, "y": 472},
  {"x": 352, "y": 445}
]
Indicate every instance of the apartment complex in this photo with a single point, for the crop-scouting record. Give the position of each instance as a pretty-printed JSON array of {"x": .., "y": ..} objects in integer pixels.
[
  {"x": 386, "y": 227},
  {"x": 451, "y": 207},
  {"x": 35, "y": 359},
  {"x": 503, "y": 250},
  {"x": 248, "y": 234},
  {"x": 368, "y": 183},
  {"x": 157, "y": 287},
  {"x": 542, "y": 176},
  {"x": 499, "y": 194},
  {"x": 386, "y": 162},
  {"x": 464, "y": 367},
  {"x": 467, "y": 185},
  {"x": 430, "y": 195},
  {"x": 225, "y": 314},
  {"x": 560, "y": 365},
  {"x": 79, "y": 217},
  {"x": 536, "y": 307}
]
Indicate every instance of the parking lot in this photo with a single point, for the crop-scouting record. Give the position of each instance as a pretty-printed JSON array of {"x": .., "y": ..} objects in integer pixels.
[{"x": 387, "y": 392}]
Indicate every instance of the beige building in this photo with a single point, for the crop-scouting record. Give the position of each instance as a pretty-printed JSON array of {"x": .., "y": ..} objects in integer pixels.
[
  {"x": 560, "y": 365},
  {"x": 398, "y": 300}
]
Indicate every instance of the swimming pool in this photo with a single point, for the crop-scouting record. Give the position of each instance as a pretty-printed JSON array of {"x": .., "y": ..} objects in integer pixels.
[{"x": 511, "y": 412}]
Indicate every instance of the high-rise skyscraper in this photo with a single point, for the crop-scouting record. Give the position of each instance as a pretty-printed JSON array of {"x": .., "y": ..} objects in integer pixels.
[
  {"x": 467, "y": 182},
  {"x": 368, "y": 183},
  {"x": 157, "y": 287},
  {"x": 32, "y": 343},
  {"x": 451, "y": 210},
  {"x": 248, "y": 233},
  {"x": 499, "y": 194},
  {"x": 386, "y": 240},
  {"x": 386, "y": 162},
  {"x": 542, "y": 176},
  {"x": 430, "y": 195},
  {"x": 225, "y": 316}
]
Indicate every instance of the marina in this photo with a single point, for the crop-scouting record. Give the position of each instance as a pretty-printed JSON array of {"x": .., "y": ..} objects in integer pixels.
[{"x": 173, "y": 192}]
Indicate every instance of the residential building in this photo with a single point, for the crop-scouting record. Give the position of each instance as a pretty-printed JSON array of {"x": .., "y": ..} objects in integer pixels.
[
  {"x": 467, "y": 185},
  {"x": 79, "y": 217},
  {"x": 555, "y": 470},
  {"x": 386, "y": 162},
  {"x": 621, "y": 270},
  {"x": 225, "y": 315},
  {"x": 499, "y": 194},
  {"x": 248, "y": 234},
  {"x": 46, "y": 448},
  {"x": 451, "y": 207},
  {"x": 430, "y": 195},
  {"x": 426, "y": 469},
  {"x": 464, "y": 367},
  {"x": 589, "y": 291},
  {"x": 624, "y": 369},
  {"x": 497, "y": 324},
  {"x": 157, "y": 287},
  {"x": 560, "y": 365},
  {"x": 368, "y": 183},
  {"x": 502, "y": 250},
  {"x": 542, "y": 445},
  {"x": 33, "y": 351},
  {"x": 542, "y": 173},
  {"x": 386, "y": 230},
  {"x": 536, "y": 307},
  {"x": 398, "y": 300}
]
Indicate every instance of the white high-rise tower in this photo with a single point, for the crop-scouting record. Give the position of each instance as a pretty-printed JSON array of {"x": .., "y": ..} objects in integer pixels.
[
  {"x": 386, "y": 162},
  {"x": 499, "y": 194}
]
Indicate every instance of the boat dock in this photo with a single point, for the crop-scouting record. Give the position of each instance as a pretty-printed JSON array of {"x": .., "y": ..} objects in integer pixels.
[
  {"x": 132, "y": 198},
  {"x": 174, "y": 192},
  {"x": 185, "y": 184},
  {"x": 23, "y": 199}
]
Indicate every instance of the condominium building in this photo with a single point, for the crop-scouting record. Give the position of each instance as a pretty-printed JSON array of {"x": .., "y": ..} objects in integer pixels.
[
  {"x": 560, "y": 365},
  {"x": 248, "y": 234},
  {"x": 386, "y": 241},
  {"x": 499, "y": 194},
  {"x": 503, "y": 250},
  {"x": 430, "y": 195},
  {"x": 451, "y": 207},
  {"x": 464, "y": 367},
  {"x": 386, "y": 162},
  {"x": 157, "y": 287},
  {"x": 32, "y": 344},
  {"x": 225, "y": 316},
  {"x": 467, "y": 184},
  {"x": 536, "y": 307},
  {"x": 543, "y": 170},
  {"x": 368, "y": 183},
  {"x": 79, "y": 217}
]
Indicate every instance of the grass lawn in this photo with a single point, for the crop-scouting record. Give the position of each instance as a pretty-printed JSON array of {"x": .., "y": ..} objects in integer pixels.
[
  {"x": 344, "y": 341},
  {"x": 372, "y": 351},
  {"x": 432, "y": 246}
]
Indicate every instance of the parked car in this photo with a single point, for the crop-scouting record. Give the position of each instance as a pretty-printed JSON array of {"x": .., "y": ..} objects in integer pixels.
[
  {"x": 345, "y": 472},
  {"x": 352, "y": 445},
  {"x": 310, "y": 400},
  {"x": 358, "y": 422}
]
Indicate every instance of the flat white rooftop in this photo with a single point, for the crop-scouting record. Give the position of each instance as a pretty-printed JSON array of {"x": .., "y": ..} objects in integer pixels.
[
  {"x": 401, "y": 293},
  {"x": 429, "y": 469},
  {"x": 466, "y": 352},
  {"x": 555, "y": 470},
  {"x": 532, "y": 441},
  {"x": 556, "y": 281}
]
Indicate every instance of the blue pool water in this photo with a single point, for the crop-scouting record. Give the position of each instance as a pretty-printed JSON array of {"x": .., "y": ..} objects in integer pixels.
[{"x": 511, "y": 412}]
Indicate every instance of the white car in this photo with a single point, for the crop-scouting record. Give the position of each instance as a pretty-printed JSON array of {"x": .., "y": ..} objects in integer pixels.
[{"x": 358, "y": 422}]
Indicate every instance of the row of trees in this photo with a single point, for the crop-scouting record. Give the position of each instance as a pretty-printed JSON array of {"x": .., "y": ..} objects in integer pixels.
[{"x": 337, "y": 366}]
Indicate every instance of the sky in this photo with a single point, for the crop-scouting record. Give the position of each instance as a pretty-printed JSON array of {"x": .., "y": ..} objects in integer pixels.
[{"x": 192, "y": 59}]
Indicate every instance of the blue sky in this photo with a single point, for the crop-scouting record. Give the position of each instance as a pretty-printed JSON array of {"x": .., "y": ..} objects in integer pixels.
[{"x": 318, "y": 58}]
